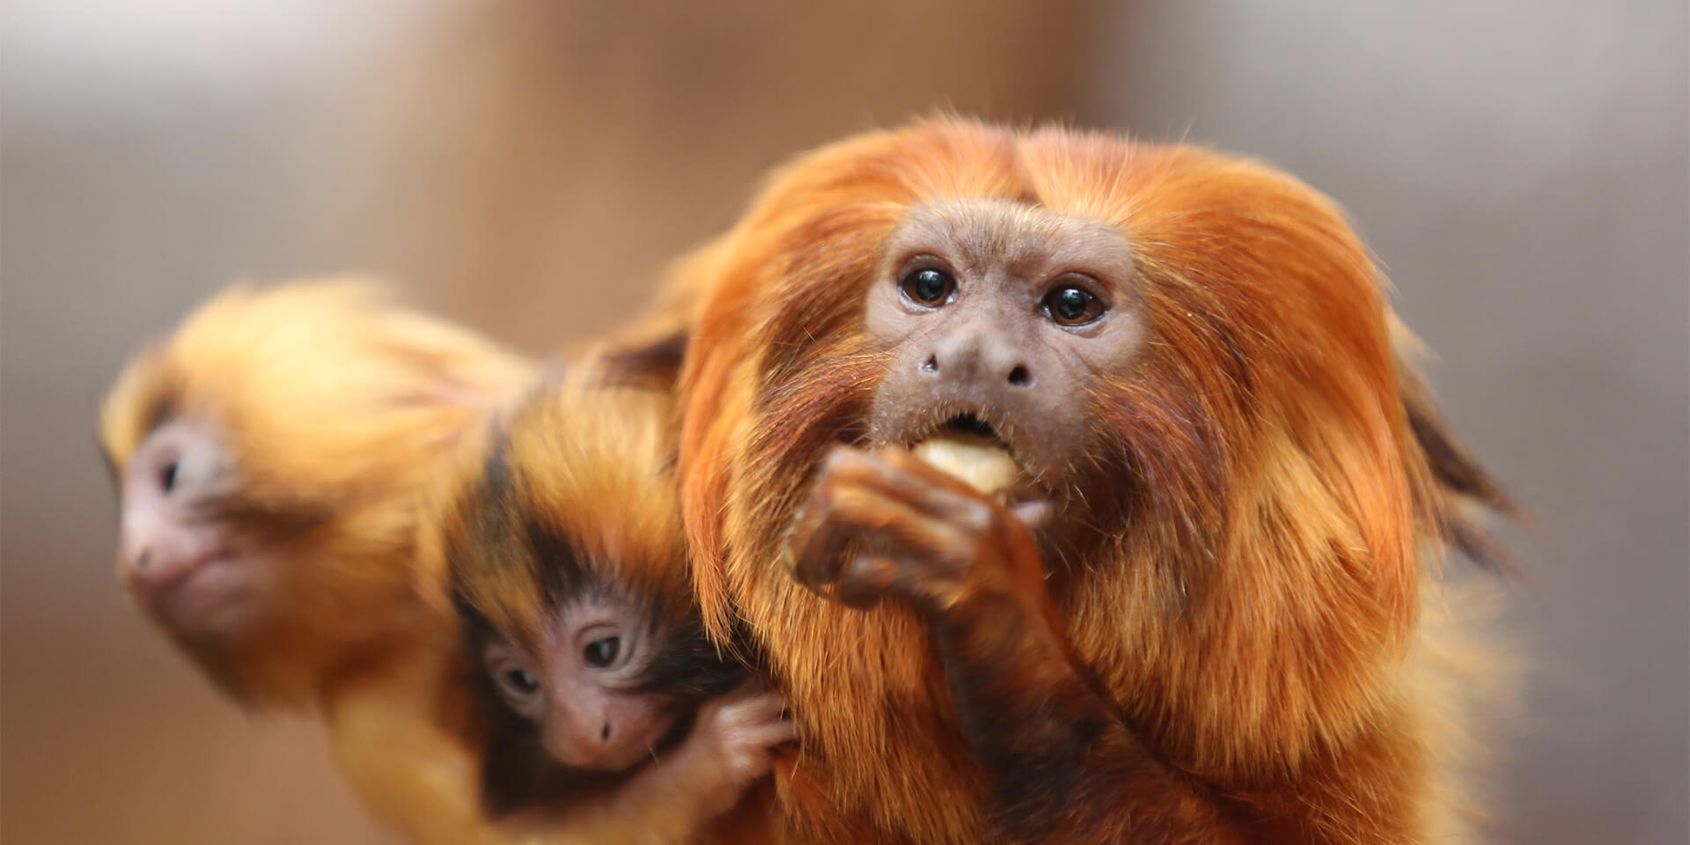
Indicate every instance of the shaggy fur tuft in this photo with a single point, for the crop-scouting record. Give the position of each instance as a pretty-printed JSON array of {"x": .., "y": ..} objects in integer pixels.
[{"x": 1257, "y": 492}]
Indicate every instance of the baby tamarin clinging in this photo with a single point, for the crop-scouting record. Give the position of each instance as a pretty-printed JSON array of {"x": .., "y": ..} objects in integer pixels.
[
  {"x": 272, "y": 457},
  {"x": 610, "y": 715}
]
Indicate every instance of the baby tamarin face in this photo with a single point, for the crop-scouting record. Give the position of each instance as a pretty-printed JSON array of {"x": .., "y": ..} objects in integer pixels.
[
  {"x": 584, "y": 682},
  {"x": 568, "y": 571}
]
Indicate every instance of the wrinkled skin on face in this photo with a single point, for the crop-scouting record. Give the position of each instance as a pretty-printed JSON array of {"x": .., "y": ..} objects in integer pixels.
[
  {"x": 998, "y": 317},
  {"x": 995, "y": 319},
  {"x": 581, "y": 684}
]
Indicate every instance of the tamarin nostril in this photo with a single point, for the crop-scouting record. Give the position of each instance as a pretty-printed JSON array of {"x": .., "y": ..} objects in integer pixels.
[
  {"x": 605, "y": 734},
  {"x": 931, "y": 365},
  {"x": 142, "y": 559},
  {"x": 1020, "y": 377}
]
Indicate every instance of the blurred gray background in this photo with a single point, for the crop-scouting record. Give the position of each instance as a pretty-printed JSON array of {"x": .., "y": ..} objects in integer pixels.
[{"x": 1521, "y": 168}]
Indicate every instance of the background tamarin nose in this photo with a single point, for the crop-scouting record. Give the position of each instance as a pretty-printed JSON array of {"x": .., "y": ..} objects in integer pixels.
[
  {"x": 150, "y": 568},
  {"x": 138, "y": 552}
]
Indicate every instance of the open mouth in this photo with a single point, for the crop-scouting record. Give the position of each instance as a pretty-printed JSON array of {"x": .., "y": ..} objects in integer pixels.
[
  {"x": 968, "y": 423},
  {"x": 967, "y": 447}
]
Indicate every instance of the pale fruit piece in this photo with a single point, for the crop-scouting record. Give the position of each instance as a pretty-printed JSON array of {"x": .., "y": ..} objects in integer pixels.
[{"x": 979, "y": 462}]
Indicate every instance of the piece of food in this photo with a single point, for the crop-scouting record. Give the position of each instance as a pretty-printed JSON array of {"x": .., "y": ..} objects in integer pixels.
[{"x": 980, "y": 462}]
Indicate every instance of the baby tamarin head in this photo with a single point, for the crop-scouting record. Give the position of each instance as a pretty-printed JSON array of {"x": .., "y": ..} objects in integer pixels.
[
  {"x": 567, "y": 559},
  {"x": 269, "y": 457}
]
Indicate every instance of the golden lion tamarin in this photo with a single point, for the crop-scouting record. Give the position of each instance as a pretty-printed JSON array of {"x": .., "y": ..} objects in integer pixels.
[
  {"x": 271, "y": 458},
  {"x": 609, "y": 716},
  {"x": 1186, "y": 607}
]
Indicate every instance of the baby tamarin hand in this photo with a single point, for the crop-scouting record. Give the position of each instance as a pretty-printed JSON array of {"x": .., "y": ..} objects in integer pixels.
[{"x": 732, "y": 743}]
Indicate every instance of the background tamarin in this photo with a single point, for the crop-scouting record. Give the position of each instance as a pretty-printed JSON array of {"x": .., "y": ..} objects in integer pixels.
[
  {"x": 271, "y": 458},
  {"x": 611, "y": 717},
  {"x": 1190, "y": 614}
]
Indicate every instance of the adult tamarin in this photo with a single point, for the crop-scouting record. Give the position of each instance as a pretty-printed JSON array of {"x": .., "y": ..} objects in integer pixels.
[
  {"x": 271, "y": 458},
  {"x": 1186, "y": 606},
  {"x": 610, "y": 716}
]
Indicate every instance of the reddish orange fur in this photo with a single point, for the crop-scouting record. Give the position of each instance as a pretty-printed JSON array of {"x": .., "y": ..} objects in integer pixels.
[
  {"x": 1251, "y": 597},
  {"x": 338, "y": 408}
]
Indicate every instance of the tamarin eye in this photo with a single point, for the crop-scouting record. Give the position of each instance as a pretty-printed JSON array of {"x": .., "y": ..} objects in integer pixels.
[
  {"x": 928, "y": 287},
  {"x": 521, "y": 682},
  {"x": 167, "y": 478},
  {"x": 1072, "y": 306},
  {"x": 602, "y": 652}
]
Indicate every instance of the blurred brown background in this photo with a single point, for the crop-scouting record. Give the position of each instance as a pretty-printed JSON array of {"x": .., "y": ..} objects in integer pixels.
[{"x": 1521, "y": 167}]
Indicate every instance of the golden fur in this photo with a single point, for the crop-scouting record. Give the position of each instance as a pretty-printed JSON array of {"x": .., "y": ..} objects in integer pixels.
[
  {"x": 586, "y": 460},
  {"x": 336, "y": 409},
  {"x": 1251, "y": 596}
]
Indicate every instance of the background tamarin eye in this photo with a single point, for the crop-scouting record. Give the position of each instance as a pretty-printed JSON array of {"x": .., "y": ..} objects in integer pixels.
[
  {"x": 928, "y": 286},
  {"x": 602, "y": 652},
  {"x": 1071, "y": 305},
  {"x": 167, "y": 476},
  {"x": 519, "y": 682}
]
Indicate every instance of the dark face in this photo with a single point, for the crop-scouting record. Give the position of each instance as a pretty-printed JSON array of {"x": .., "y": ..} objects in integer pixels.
[
  {"x": 179, "y": 559},
  {"x": 1000, "y": 318},
  {"x": 583, "y": 684}
]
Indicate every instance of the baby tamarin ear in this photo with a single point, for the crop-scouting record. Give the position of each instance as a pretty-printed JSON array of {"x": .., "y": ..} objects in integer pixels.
[
  {"x": 607, "y": 709},
  {"x": 269, "y": 456}
]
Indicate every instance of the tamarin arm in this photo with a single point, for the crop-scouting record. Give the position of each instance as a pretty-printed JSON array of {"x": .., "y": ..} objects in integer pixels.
[
  {"x": 660, "y": 804},
  {"x": 1064, "y": 766},
  {"x": 676, "y": 798}
]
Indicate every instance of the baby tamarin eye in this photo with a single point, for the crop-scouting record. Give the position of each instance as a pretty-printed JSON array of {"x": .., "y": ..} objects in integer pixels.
[
  {"x": 928, "y": 286},
  {"x": 521, "y": 682},
  {"x": 517, "y": 684},
  {"x": 601, "y": 653}
]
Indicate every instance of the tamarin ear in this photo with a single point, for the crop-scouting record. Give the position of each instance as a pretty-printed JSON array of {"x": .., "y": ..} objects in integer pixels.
[
  {"x": 1462, "y": 484},
  {"x": 648, "y": 353},
  {"x": 652, "y": 362}
]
